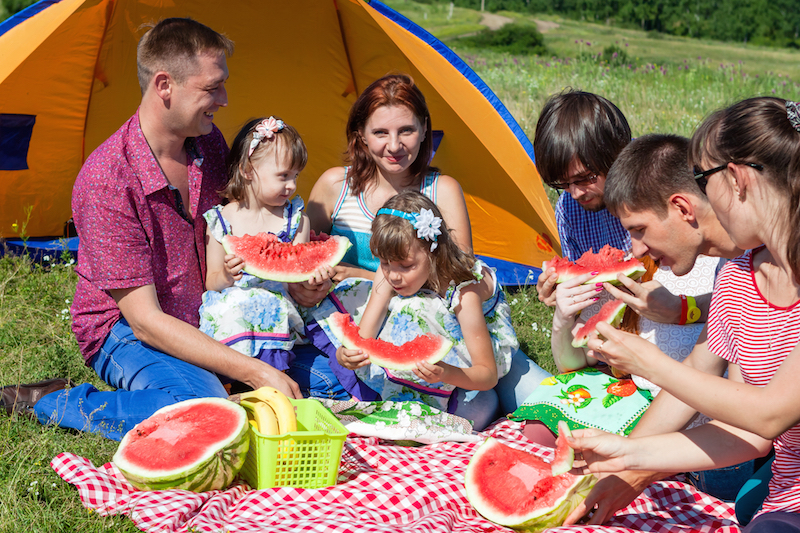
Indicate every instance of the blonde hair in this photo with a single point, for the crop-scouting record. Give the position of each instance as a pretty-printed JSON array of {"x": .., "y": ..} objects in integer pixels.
[
  {"x": 393, "y": 237},
  {"x": 286, "y": 141}
]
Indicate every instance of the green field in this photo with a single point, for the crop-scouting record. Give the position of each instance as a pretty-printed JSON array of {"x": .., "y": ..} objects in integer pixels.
[{"x": 672, "y": 85}]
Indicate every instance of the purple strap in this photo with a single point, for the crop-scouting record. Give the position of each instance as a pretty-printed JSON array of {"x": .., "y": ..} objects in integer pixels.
[{"x": 279, "y": 359}]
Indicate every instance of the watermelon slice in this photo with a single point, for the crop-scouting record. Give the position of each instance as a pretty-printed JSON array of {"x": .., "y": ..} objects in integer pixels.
[
  {"x": 608, "y": 262},
  {"x": 565, "y": 455},
  {"x": 267, "y": 257},
  {"x": 610, "y": 313},
  {"x": 429, "y": 347},
  {"x": 197, "y": 445},
  {"x": 515, "y": 488}
]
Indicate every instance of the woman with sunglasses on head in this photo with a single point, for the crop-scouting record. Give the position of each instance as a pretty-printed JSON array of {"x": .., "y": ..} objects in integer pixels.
[{"x": 747, "y": 158}]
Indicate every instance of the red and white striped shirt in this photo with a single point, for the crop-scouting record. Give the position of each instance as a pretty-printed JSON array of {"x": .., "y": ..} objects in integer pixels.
[{"x": 745, "y": 329}]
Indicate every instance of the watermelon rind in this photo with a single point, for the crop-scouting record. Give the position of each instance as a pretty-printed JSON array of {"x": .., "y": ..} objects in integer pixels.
[
  {"x": 536, "y": 520},
  {"x": 335, "y": 321},
  {"x": 617, "y": 307},
  {"x": 288, "y": 275},
  {"x": 215, "y": 469}
]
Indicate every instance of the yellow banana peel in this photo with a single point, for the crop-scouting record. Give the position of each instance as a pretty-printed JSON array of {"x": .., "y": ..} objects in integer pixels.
[{"x": 265, "y": 419}]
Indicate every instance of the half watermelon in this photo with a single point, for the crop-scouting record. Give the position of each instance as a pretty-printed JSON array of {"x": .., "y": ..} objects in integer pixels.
[
  {"x": 515, "y": 488},
  {"x": 608, "y": 262},
  {"x": 429, "y": 347},
  {"x": 611, "y": 313},
  {"x": 197, "y": 445},
  {"x": 267, "y": 257}
]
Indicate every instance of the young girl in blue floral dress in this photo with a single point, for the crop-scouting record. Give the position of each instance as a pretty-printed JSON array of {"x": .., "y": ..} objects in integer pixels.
[
  {"x": 254, "y": 316},
  {"x": 425, "y": 283}
]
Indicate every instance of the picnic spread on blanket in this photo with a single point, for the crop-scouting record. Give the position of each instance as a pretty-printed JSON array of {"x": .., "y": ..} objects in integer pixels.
[{"x": 380, "y": 486}]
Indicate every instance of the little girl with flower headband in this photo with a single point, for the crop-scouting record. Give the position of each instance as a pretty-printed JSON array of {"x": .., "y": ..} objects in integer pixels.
[
  {"x": 254, "y": 316},
  {"x": 425, "y": 284}
]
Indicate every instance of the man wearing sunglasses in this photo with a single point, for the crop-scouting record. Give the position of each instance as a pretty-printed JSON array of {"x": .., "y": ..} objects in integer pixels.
[{"x": 662, "y": 203}]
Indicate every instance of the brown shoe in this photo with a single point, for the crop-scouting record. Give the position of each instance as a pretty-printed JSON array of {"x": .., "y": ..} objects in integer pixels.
[{"x": 20, "y": 399}]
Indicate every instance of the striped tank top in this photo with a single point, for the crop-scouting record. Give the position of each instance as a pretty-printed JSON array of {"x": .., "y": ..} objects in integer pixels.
[{"x": 353, "y": 219}]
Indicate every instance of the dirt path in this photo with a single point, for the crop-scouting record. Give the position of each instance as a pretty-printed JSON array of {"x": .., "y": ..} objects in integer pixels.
[{"x": 495, "y": 22}]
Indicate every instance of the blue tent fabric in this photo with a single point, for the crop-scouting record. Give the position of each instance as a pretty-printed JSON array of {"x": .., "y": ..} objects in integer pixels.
[
  {"x": 42, "y": 249},
  {"x": 25, "y": 14}
]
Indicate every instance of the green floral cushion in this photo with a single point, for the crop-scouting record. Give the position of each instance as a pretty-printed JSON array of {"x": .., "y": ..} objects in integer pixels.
[{"x": 586, "y": 398}]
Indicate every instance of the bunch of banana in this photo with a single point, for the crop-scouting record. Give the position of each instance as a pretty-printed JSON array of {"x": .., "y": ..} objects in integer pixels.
[{"x": 270, "y": 411}]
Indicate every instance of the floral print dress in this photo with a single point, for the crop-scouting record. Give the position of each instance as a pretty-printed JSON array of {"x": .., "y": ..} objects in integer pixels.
[
  {"x": 255, "y": 317},
  {"x": 409, "y": 317}
]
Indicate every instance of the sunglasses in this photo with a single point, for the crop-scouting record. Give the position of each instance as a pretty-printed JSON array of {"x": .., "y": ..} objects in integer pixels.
[
  {"x": 579, "y": 182},
  {"x": 701, "y": 176}
]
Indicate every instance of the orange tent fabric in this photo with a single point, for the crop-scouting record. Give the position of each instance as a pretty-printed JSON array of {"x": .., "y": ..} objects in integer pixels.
[{"x": 68, "y": 80}]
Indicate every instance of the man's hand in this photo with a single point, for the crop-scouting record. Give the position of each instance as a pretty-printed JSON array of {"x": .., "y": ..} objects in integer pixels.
[
  {"x": 264, "y": 375},
  {"x": 649, "y": 299},
  {"x": 611, "y": 493},
  {"x": 309, "y": 294},
  {"x": 546, "y": 286}
]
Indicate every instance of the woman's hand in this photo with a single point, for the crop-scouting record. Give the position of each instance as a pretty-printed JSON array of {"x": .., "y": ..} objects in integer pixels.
[
  {"x": 601, "y": 451},
  {"x": 428, "y": 372},
  {"x": 351, "y": 359},
  {"x": 234, "y": 265},
  {"x": 625, "y": 351},
  {"x": 572, "y": 296}
]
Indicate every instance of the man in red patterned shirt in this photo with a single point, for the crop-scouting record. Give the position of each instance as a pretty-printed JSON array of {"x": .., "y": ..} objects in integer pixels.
[{"x": 138, "y": 204}]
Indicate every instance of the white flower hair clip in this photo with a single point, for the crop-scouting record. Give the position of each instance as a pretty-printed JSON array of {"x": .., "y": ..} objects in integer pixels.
[
  {"x": 266, "y": 129},
  {"x": 427, "y": 224}
]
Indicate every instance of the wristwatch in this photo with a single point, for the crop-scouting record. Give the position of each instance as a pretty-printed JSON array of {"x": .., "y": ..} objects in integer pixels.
[{"x": 690, "y": 313}]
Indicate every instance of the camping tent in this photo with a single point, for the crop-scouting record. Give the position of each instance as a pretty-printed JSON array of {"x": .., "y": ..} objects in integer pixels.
[{"x": 68, "y": 80}]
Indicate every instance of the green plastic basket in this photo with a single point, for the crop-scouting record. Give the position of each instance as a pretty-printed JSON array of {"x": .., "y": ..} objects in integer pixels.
[{"x": 307, "y": 458}]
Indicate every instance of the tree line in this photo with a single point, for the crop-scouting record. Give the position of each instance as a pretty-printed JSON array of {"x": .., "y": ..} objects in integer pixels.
[{"x": 763, "y": 22}]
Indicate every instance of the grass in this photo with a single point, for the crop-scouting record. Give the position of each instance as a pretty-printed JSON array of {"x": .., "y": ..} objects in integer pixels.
[
  {"x": 36, "y": 342},
  {"x": 668, "y": 90}
]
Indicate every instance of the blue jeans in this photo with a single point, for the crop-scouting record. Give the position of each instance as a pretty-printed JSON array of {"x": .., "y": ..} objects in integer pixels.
[
  {"x": 313, "y": 374},
  {"x": 723, "y": 483},
  {"x": 146, "y": 380}
]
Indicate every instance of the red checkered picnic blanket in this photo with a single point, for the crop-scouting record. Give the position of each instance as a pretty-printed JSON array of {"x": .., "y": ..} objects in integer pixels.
[{"x": 381, "y": 488}]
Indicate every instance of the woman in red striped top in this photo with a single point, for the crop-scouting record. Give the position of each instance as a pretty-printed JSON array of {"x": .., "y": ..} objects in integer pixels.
[{"x": 747, "y": 160}]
